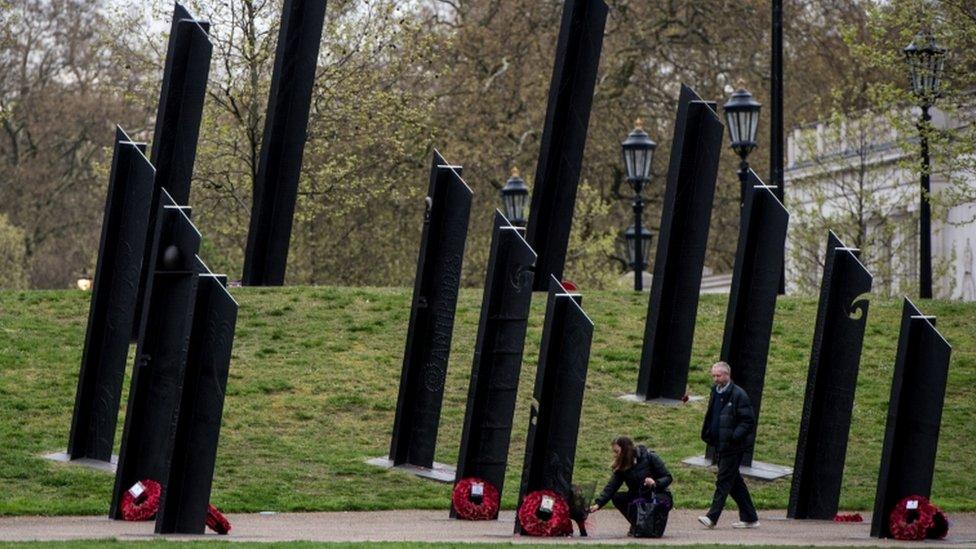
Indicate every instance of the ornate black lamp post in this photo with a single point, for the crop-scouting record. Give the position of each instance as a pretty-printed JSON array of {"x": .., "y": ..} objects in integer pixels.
[
  {"x": 638, "y": 152},
  {"x": 742, "y": 117},
  {"x": 926, "y": 60},
  {"x": 637, "y": 251},
  {"x": 515, "y": 197}
]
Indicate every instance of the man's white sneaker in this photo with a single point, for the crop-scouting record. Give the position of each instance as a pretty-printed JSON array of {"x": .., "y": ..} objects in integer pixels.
[
  {"x": 741, "y": 524},
  {"x": 706, "y": 522}
]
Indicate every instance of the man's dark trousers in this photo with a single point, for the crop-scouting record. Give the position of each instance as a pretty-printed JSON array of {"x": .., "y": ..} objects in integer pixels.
[{"x": 729, "y": 482}]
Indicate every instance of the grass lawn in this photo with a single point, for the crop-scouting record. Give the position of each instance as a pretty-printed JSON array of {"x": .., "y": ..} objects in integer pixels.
[{"x": 313, "y": 389}]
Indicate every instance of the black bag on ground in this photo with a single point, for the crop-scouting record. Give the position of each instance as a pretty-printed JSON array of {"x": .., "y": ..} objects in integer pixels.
[{"x": 651, "y": 514}]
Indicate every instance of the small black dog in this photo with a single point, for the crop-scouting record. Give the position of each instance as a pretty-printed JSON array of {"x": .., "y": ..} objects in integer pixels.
[{"x": 579, "y": 506}]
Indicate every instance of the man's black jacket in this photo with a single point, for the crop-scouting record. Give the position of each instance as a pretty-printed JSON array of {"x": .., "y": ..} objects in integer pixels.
[
  {"x": 737, "y": 422},
  {"x": 646, "y": 464}
]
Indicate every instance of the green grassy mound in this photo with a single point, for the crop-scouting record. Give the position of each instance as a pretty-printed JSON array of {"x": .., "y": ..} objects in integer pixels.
[{"x": 313, "y": 388}]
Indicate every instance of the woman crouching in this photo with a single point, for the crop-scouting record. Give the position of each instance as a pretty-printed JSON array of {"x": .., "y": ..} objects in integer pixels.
[{"x": 637, "y": 467}]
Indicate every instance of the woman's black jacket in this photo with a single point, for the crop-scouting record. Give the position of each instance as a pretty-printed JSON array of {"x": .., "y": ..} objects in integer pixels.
[{"x": 646, "y": 464}]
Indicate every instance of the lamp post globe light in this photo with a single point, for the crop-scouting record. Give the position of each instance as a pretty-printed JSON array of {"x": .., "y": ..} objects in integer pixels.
[
  {"x": 742, "y": 117},
  {"x": 926, "y": 62},
  {"x": 638, "y": 152},
  {"x": 515, "y": 197},
  {"x": 637, "y": 249}
]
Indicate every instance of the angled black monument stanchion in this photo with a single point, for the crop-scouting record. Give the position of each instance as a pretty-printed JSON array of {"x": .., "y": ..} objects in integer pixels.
[
  {"x": 564, "y": 135},
  {"x": 497, "y": 357},
  {"x": 673, "y": 303},
  {"x": 835, "y": 358},
  {"x": 431, "y": 325},
  {"x": 752, "y": 305},
  {"x": 914, "y": 415},
  {"x": 178, "y": 115},
  {"x": 180, "y": 109},
  {"x": 285, "y": 127},
  {"x": 560, "y": 379},
  {"x": 111, "y": 314},
  {"x": 154, "y": 393},
  {"x": 183, "y": 507}
]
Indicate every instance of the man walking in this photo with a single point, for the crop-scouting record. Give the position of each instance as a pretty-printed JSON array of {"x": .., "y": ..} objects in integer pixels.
[{"x": 729, "y": 428}]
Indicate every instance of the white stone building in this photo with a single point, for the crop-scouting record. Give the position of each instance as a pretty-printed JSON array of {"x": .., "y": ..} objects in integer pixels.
[{"x": 860, "y": 177}]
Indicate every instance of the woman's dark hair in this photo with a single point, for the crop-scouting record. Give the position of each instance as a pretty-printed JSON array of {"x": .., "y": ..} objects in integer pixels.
[{"x": 625, "y": 459}]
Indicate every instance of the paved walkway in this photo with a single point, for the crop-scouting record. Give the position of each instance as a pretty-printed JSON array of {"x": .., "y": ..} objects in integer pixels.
[{"x": 606, "y": 527}]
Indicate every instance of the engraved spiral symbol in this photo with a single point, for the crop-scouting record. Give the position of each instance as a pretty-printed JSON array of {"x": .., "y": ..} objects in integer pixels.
[
  {"x": 858, "y": 308},
  {"x": 434, "y": 376},
  {"x": 521, "y": 278}
]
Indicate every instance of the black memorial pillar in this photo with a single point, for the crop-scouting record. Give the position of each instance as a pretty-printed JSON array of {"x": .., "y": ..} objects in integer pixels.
[
  {"x": 755, "y": 285},
  {"x": 821, "y": 447},
  {"x": 161, "y": 354},
  {"x": 431, "y": 325},
  {"x": 285, "y": 132},
  {"x": 174, "y": 145},
  {"x": 193, "y": 450},
  {"x": 178, "y": 115},
  {"x": 685, "y": 217},
  {"x": 497, "y": 357},
  {"x": 564, "y": 135},
  {"x": 914, "y": 415},
  {"x": 554, "y": 418},
  {"x": 111, "y": 314}
]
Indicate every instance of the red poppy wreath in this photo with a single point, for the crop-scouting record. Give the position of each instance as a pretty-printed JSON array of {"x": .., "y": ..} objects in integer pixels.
[
  {"x": 544, "y": 513},
  {"x": 475, "y": 499},
  {"x": 916, "y": 518},
  {"x": 141, "y": 501},
  {"x": 216, "y": 520},
  {"x": 848, "y": 517}
]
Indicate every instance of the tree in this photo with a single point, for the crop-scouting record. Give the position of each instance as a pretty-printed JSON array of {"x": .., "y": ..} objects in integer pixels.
[
  {"x": 13, "y": 275},
  {"x": 369, "y": 138},
  {"x": 395, "y": 79},
  {"x": 59, "y": 96},
  {"x": 847, "y": 178},
  {"x": 952, "y": 134},
  {"x": 492, "y": 110}
]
